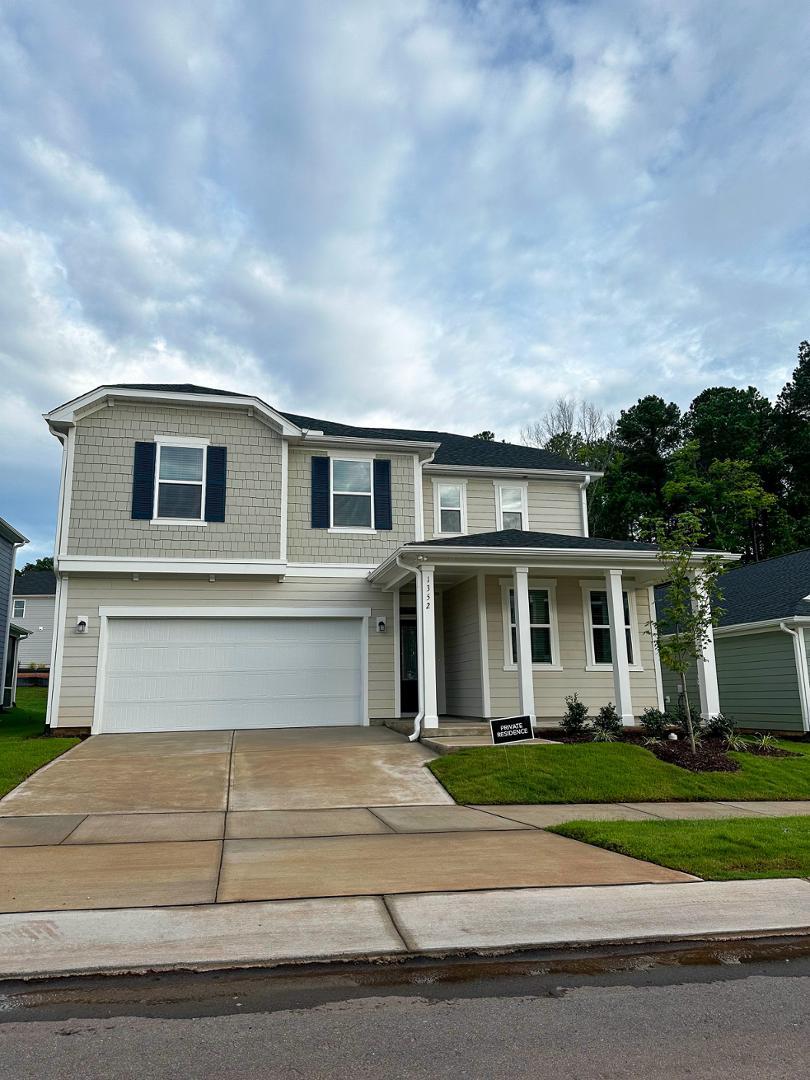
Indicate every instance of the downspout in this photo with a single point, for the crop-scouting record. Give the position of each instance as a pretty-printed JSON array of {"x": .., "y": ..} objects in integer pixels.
[
  {"x": 583, "y": 502},
  {"x": 417, "y": 720},
  {"x": 801, "y": 672}
]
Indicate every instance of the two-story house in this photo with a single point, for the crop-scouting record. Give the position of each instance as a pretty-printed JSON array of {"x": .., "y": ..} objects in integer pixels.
[{"x": 221, "y": 564}]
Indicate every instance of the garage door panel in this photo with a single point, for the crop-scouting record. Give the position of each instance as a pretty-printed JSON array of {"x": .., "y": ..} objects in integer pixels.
[{"x": 206, "y": 673}]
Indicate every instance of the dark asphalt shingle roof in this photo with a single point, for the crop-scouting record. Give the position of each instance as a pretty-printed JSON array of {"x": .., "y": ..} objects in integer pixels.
[
  {"x": 35, "y": 583},
  {"x": 516, "y": 538},
  {"x": 772, "y": 589},
  {"x": 454, "y": 449}
]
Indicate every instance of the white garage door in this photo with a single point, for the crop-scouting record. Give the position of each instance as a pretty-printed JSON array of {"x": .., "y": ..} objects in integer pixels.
[{"x": 183, "y": 674}]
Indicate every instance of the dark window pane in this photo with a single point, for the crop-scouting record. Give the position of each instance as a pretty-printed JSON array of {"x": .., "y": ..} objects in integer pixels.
[
  {"x": 629, "y": 638},
  {"x": 179, "y": 500},
  {"x": 181, "y": 463},
  {"x": 601, "y": 646},
  {"x": 511, "y": 605},
  {"x": 451, "y": 521},
  {"x": 538, "y": 606},
  {"x": 541, "y": 645},
  {"x": 600, "y": 615},
  {"x": 352, "y": 510},
  {"x": 626, "y": 601},
  {"x": 514, "y": 645},
  {"x": 512, "y": 520}
]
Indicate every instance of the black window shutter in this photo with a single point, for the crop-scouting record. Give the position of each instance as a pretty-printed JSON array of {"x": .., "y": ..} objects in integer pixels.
[
  {"x": 215, "y": 470},
  {"x": 382, "y": 494},
  {"x": 143, "y": 480},
  {"x": 320, "y": 493}
]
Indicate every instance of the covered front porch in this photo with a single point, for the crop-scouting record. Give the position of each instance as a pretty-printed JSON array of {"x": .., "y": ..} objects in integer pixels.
[{"x": 510, "y": 623}]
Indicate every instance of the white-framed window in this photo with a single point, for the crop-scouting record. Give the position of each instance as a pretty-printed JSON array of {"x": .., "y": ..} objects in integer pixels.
[
  {"x": 599, "y": 653},
  {"x": 511, "y": 506},
  {"x": 180, "y": 464},
  {"x": 352, "y": 488},
  {"x": 449, "y": 507},
  {"x": 19, "y": 609},
  {"x": 542, "y": 624}
]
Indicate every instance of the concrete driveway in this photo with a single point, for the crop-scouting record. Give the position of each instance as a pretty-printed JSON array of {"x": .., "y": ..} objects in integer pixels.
[{"x": 198, "y": 818}]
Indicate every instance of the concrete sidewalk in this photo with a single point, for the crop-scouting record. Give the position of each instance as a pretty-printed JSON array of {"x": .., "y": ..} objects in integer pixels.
[
  {"x": 542, "y": 815},
  {"x": 380, "y": 927}
]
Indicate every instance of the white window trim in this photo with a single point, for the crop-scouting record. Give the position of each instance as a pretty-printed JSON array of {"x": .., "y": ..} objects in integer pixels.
[
  {"x": 601, "y": 586},
  {"x": 362, "y": 530},
  {"x": 437, "y": 509},
  {"x": 179, "y": 440},
  {"x": 14, "y": 614},
  {"x": 499, "y": 485},
  {"x": 507, "y": 584}
]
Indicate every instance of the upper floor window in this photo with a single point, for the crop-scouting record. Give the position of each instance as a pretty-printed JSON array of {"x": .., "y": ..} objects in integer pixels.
[
  {"x": 180, "y": 481},
  {"x": 511, "y": 503},
  {"x": 19, "y": 609},
  {"x": 597, "y": 617},
  {"x": 449, "y": 508},
  {"x": 352, "y": 494}
]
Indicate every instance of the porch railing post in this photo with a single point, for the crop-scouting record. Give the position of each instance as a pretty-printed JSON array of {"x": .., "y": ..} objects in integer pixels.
[
  {"x": 524, "y": 642},
  {"x": 618, "y": 647}
]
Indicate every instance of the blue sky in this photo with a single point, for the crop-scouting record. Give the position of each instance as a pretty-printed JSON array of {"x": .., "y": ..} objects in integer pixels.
[{"x": 443, "y": 214}]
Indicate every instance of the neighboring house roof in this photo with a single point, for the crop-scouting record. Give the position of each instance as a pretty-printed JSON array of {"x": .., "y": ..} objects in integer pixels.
[
  {"x": 515, "y": 538},
  {"x": 18, "y": 631},
  {"x": 761, "y": 592},
  {"x": 773, "y": 589},
  {"x": 35, "y": 583},
  {"x": 8, "y": 532},
  {"x": 453, "y": 450}
]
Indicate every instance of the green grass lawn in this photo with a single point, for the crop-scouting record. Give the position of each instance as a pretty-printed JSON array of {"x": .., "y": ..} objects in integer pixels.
[
  {"x": 21, "y": 750},
  {"x": 611, "y": 772},
  {"x": 718, "y": 850}
]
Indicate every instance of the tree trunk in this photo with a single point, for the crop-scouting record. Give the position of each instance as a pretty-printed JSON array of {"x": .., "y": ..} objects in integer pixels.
[{"x": 688, "y": 713}]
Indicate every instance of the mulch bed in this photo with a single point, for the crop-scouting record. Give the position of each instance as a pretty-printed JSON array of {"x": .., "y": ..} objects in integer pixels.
[{"x": 709, "y": 756}]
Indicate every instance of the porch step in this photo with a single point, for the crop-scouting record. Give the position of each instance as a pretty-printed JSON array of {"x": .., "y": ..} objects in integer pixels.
[
  {"x": 472, "y": 727},
  {"x": 450, "y": 744}
]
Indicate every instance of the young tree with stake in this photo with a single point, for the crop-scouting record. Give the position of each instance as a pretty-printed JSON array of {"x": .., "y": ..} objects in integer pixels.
[{"x": 690, "y": 609}]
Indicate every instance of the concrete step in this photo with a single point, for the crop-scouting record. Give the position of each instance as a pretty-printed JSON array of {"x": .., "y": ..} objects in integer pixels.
[{"x": 472, "y": 727}]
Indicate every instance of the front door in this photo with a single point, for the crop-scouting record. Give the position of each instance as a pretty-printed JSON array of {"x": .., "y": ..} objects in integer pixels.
[{"x": 408, "y": 667}]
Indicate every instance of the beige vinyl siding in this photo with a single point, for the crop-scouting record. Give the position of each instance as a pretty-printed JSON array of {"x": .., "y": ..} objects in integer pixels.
[
  {"x": 554, "y": 505},
  {"x": 595, "y": 688},
  {"x": 101, "y": 502},
  {"x": 7, "y": 558},
  {"x": 756, "y": 677},
  {"x": 36, "y": 649},
  {"x": 87, "y": 594},
  {"x": 305, "y": 544},
  {"x": 462, "y": 656}
]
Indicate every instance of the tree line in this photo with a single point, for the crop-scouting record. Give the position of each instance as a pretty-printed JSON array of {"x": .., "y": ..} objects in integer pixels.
[{"x": 736, "y": 460}]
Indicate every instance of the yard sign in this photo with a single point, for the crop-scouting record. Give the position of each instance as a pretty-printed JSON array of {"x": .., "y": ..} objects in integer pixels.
[{"x": 511, "y": 729}]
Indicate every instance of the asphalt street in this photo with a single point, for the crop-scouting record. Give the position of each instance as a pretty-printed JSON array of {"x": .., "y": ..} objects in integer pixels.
[{"x": 645, "y": 1019}]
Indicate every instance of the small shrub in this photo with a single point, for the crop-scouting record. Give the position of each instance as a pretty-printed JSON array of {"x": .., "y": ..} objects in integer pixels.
[
  {"x": 698, "y": 726},
  {"x": 655, "y": 723},
  {"x": 575, "y": 719},
  {"x": 607, "y": 721},
  {"x": 720, "y": 727},
  {"x": 764, "y": 741},
  {"x": 737, "y": 743},
  {"x": 603, "y": 734}
]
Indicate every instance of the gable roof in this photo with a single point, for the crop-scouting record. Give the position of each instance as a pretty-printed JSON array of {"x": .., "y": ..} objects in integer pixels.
[
  {"x": 773, "y": 589},
  {"x": 35, "y": 583},
  {"x": 453, "y": 450},
  {"x": 516, "y": 538}
]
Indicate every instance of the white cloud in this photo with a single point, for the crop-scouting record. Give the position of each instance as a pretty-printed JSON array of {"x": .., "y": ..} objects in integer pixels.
[{"x": 433, "y": 212}]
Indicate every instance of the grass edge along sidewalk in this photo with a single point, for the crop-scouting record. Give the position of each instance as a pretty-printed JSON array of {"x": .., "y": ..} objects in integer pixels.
[
  {"x": 727, "y": 849},
  {"x": 24, "y": 747},
  {"x": 613, "y": 772}
]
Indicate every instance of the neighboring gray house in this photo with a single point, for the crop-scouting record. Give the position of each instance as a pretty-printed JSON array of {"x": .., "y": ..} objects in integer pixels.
[
  {"x": 221, "y": 564},
  {"x": 33, "y": 606},
  {"x": 760, "y": 645},
  {"x": 10, "y": 631}
]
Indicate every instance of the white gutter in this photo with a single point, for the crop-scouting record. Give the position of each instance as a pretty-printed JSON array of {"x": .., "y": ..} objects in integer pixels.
[
  {"x": 583, "y": 503},
  {"x": 513, "y": 472},
  {"x": 802, "y": 675},
  {"x": 420, "y": 715}
]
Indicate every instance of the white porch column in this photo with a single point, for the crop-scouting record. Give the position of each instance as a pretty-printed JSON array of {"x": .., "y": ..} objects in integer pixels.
[
  {"x": 427, "y": 608},
  {"x": 707, "y": 671},
  {"x": 524, "y": 642},
  {"x": 618, "y": 647}
]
